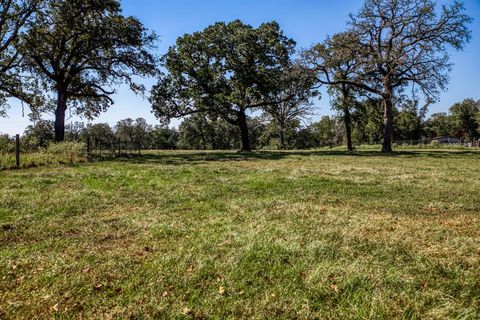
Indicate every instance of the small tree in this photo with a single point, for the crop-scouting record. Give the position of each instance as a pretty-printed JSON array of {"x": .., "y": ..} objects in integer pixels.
[
  {"x": 340, "y": 62},
  {"x": 136, "y": 131},
  {"x": 402, "y": 43},
  {"x": 225, "y": 70},
  {"x": 162, "y": 137},
  {"x": 295, "y": 90},
  {"x": 195, "y": 132},
  {"x": 80, "y": 50},
  {"x": 327, "y": 131},
  {"x": 41, "y": 131},
  {"x": 464, "y": 115},
  {"x": 368, "y": 121},
  {"x": 100, "y": 134},
  {"x": 409, "y": 121},
  {"x": 440, "y": 124},
  {"x": 75, "y": 131}
]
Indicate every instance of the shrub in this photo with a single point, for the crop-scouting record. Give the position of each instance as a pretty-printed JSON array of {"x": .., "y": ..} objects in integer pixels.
[
  {"x": 6, "y": 144},
  {"x": 67, "y": 152}
]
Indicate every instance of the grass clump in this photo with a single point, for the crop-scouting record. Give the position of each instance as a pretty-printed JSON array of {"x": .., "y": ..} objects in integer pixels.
[{"x": 55, "y": 153}]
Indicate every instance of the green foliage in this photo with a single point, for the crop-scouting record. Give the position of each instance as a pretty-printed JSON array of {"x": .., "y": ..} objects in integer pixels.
[
  {"x": 54, "y": 153},
  {"x": 13, "y": 16},
  {"x": 39, "y": 135},
  {"x": 206, "y": 133},
  {"x": 135, "y": 131},
  {"x": 440, "y": 124},
  {"x": 465, "y": 118},
  {"x": 368, "y": 122},
  {"x": 7, "y": 144},
  {"x": 328, "y": 131},
  {"x": 80, "y": 50},
  {"x": 163, "y": 138},
  {"x": 296, "y": 89},
  {"x": 75, "y": 131},
  {"x": 408, "y": 122},
  {"x": 72, "y": 152},
  {"x": 223, "y": 71},
  {"x": 395, "y": 45},
  {"x": 100, "y": 134}
]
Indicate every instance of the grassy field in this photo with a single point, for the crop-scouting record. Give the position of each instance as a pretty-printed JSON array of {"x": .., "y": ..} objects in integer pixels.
[{"x": 223, "y": 235}]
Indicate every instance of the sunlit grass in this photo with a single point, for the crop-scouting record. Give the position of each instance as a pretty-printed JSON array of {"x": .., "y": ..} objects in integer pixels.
[
  {"x": 55, "y": 153},
  {"x": 222, "y": 235}
]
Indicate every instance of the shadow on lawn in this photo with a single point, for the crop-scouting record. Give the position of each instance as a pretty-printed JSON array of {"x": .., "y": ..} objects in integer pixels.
[{"x": 197, "y": 157}]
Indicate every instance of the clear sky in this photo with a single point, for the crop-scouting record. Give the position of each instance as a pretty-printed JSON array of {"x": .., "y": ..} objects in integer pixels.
[{"x": 306, "y": 21}]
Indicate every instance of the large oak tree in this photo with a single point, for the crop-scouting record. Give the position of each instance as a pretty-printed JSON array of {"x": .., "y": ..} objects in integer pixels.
[
  {"x": 80, "y": 50},
  {"x": 404, "y": 44},
  {"x": 226, "y": 70}
]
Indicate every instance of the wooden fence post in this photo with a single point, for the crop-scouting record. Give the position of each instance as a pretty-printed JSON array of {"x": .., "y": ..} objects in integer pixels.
[
  {"x": 17, "y": 150},
  {"x": 88, "y": 146}
]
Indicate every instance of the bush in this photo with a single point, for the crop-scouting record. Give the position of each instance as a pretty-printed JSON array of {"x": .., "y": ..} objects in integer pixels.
[
  {"x": 68, "y": 152},
  {"x": 65, "y": 152},
  {"x": 6, "y": 144}
]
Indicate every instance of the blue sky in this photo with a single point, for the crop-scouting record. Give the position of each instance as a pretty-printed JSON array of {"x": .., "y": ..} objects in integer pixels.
[{"x": 306, "y": 21}]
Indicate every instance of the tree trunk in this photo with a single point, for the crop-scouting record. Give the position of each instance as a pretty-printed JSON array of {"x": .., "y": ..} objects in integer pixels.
[
  {"x": 60, "y": 116},
  {"x": 242, "y": 123},
  {"x": 347, "y": 118},
  {"x": 388, "y": 121},
  {"x": 282, "y": 137}
]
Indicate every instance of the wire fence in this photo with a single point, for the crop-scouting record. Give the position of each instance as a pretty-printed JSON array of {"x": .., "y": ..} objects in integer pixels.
[
  {"x": 18, "y": 154},
  {"x": 440, "y": 142},
  {"x": 113, "y": 149}
]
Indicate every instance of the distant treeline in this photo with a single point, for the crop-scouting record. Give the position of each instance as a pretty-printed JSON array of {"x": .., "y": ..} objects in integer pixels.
[{"x": 202, "y": 132}]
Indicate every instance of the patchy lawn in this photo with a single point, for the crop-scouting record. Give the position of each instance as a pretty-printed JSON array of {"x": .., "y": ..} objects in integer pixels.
[{"x": 225, "y": 235}]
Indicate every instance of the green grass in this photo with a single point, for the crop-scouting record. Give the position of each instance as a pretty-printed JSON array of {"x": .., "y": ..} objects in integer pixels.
[
  {"x": 55, "y": 153},
  {"x": 268, "y": 235}
]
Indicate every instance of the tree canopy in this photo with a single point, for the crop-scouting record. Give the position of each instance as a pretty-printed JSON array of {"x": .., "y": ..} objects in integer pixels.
[
  {"x": 225, "y": 70},
  {"x": 80, "y": 50},
  {"x": 401, "y": 43},
  {"x": 14, "y": 14}
]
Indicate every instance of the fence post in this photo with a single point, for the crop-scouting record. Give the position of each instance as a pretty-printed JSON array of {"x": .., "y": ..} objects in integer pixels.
[
  {"x": 17, "y": 150},
  {"x": 88, "y": 146}
]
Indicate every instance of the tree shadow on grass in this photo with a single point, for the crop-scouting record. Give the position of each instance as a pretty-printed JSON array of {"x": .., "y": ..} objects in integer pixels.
[{"x": 199, "y": 157}]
